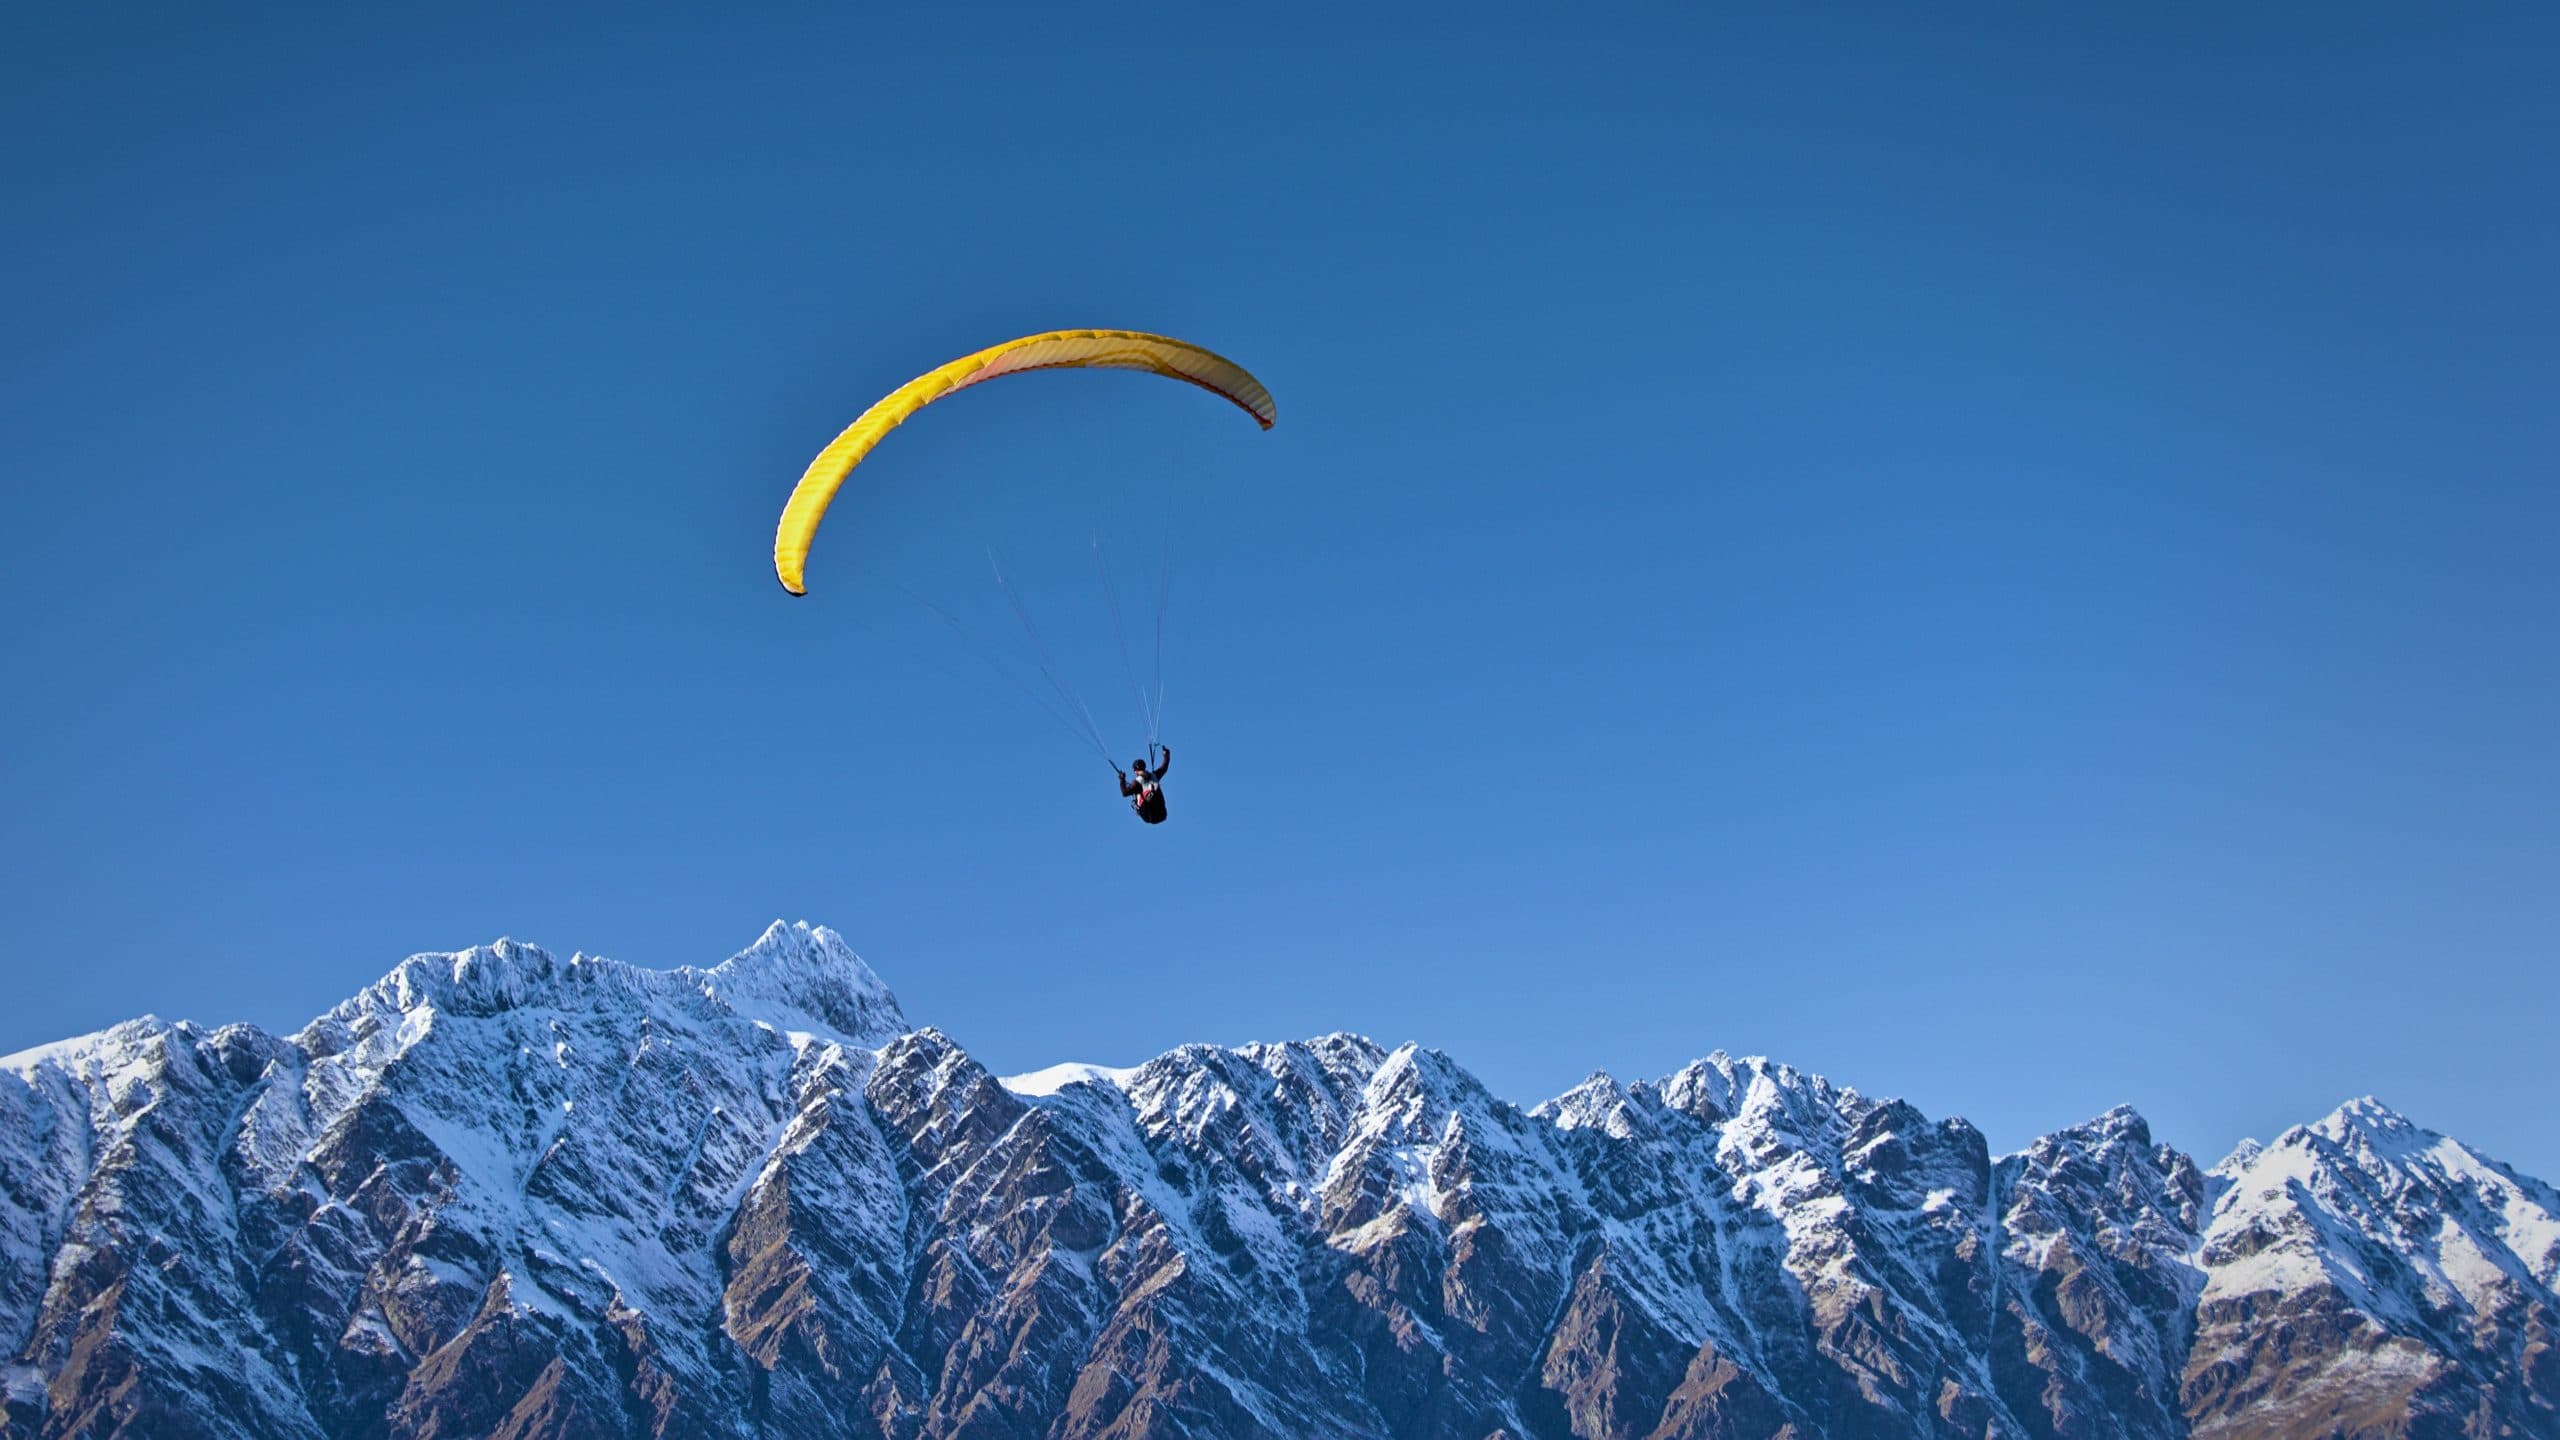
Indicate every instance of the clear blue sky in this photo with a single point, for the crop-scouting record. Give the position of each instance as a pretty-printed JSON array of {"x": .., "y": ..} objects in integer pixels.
[{"x": 2009, "y": 556}]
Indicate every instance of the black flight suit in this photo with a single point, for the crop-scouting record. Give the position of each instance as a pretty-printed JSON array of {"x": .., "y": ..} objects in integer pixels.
[{"x": 1147, "y": 795}]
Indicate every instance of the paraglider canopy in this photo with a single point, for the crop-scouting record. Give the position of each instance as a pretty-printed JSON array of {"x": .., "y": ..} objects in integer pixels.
[{"x": 1056, "y": 349}]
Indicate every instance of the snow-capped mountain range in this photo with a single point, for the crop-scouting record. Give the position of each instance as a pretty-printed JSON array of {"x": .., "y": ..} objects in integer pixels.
[{"x": 498, "y": 1193}]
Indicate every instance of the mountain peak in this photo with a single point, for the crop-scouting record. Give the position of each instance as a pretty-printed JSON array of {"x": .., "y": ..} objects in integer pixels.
[
  {"x": 120, "y": 1038},
  {"x": 1599, "y": 1102},
  {"x": 2122, "y": 1122},
  {"x": 797, "y": 944},
  {"x": 481, "y": 980},
  {"x": 2365, "y": 1112},
  {"x": 795, "y": 977},
  {"x": 1049, "y": 1080},
  {"x": 2240, "y": 1158},
  {"x": 808, "y": 971}
]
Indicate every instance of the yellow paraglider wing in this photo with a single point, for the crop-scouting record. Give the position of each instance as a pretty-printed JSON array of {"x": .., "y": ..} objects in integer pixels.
[{"x": 1058, "y": 349}]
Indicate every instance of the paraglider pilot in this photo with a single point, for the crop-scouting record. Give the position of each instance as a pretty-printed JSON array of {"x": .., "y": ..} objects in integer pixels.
[{"x": 1144, "y": 788}]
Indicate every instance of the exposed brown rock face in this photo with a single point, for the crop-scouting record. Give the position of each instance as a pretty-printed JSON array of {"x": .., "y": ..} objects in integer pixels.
[{"x": 500, "y": 1194}]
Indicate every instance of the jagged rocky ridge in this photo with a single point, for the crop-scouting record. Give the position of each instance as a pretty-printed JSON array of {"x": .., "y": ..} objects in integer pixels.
[{"x": 502, "y": 1194}]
